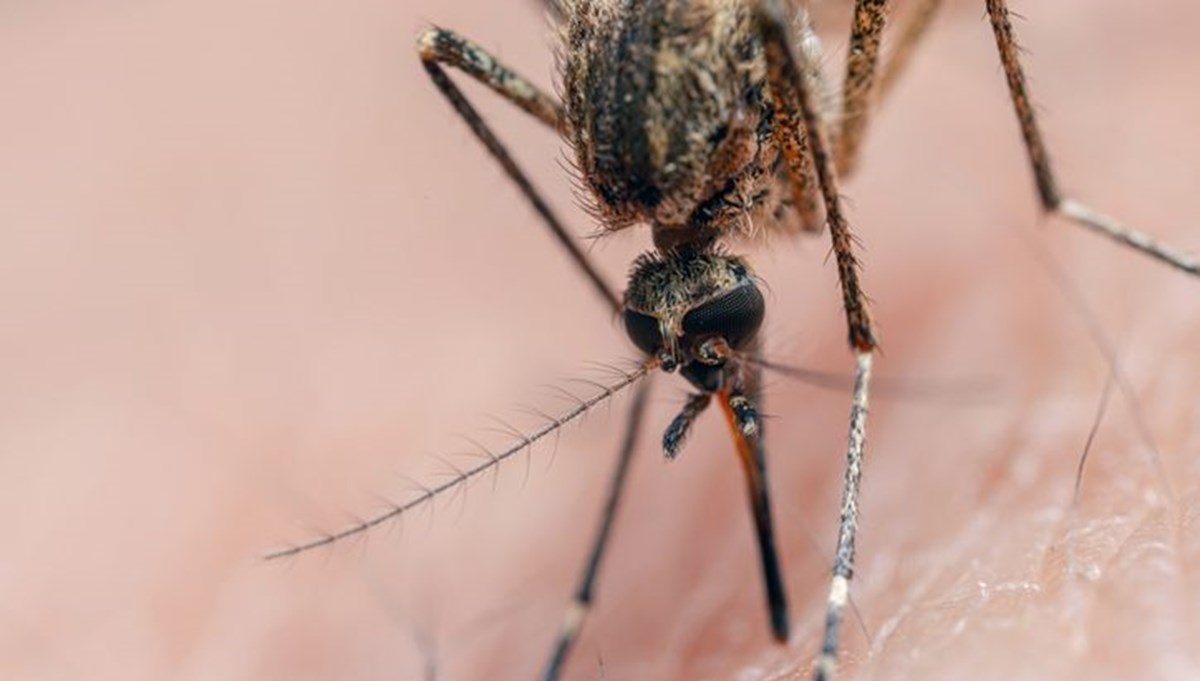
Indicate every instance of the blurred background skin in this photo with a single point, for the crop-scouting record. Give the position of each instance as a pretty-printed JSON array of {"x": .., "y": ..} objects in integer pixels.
[{"x": 253, "y": 268}]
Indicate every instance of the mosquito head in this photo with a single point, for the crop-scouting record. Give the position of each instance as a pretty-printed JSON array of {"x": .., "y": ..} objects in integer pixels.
[{"x": 693, "y": 311}]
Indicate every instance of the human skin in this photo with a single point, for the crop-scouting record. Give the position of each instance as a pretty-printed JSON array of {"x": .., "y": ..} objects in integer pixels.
[{"x": 254, "y": 268}]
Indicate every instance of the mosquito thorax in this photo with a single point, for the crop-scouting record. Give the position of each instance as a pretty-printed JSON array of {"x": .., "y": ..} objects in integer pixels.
[
  {"x": 669, "y": 128},
  {"x": 693, "y": 310}
]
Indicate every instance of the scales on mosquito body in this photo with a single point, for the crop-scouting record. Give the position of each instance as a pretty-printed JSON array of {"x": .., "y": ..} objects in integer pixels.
[{"x": 706, "y": 120}]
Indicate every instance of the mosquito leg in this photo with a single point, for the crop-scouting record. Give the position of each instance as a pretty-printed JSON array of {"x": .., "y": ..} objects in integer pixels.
[
  {"x": 843, "y": 566},
  {"x": 437, "y": 47},
  {"x": 582, "y": 602},
  {"x": 796, "y": 102},
  {"x": 796, "y": 116},
  {"x": 1052, "y": 199},
  {"x": 866, "y": 85},
  {"x": 857, "y": 90},
  {"x": 745, "y": 424},
  {"x": 806, "y": 197}
]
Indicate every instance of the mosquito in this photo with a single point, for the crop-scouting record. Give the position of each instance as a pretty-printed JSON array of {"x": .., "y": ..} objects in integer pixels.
[{"x": 710, "y": 121}]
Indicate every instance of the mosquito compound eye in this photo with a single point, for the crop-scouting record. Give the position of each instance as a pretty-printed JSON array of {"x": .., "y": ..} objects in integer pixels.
[
  {"x": 643, "y": 331},
  {"x": 734, "y": 315}
]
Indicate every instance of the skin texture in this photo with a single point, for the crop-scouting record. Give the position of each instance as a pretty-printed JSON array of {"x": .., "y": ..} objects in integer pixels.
[{"x": 253, "y": 268}]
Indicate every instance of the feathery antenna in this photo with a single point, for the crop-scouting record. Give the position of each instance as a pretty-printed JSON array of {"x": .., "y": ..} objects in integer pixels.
[{"x": 521, "y": 440}]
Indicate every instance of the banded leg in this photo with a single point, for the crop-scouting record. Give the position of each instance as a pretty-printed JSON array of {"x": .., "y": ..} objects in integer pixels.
[
  {"x": 582, "y": 601},
  {"x": 438, "y": 46},
  {"x": 843, "y": 566},
  {"x": 1051, "y": 197},
  {"x": 796, "y": 101}
]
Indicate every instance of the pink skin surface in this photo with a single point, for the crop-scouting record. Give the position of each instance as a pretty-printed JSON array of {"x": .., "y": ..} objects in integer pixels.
[{"x": 252, "y": 268}]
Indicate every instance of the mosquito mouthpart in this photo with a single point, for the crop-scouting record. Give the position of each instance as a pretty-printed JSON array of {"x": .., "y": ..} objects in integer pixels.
[
  {"x": 745, "y": 416},
  {"x": 677, "y": 432}
]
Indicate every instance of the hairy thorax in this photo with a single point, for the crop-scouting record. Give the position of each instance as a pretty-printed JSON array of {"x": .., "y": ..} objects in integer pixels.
[{"x": 669, "y": 116}]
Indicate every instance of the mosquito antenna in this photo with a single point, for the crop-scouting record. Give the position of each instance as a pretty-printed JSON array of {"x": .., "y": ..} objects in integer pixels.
[
  {"x": 563, "y": 392},
  {"x": 569, "y": 397},
  {"x": 488, "y": 454},
  {"x": 606, "y": 368},
  {"x": 590, "y": 383},
  {"x": 387, "y": 505},
  {"x": 510, "y": 429},
  {"x": 463, "y": 476},
  {"x": 455, "y": 472},
  {"x": 558, "y": 423},
  {"x": 980, "y": 390},
  {"x": 504, "y": 427}
]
